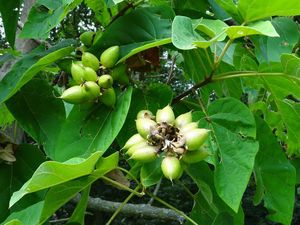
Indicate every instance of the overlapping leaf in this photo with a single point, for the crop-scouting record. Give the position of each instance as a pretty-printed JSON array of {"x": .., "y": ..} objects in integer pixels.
[{"x": 275, "y": 176}]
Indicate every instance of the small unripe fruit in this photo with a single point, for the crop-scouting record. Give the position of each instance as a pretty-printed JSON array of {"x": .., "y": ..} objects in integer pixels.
[
  {"x": 77, "y": 73},
  {"x": 145, "y": 114},
  {"x": 183, "y": 119},
  {"x": 90, "y": 60},
  {"x": 137, "y": 146},
  {"x": 195, "y": 138},
  {"x": 87, "y": 38},
  {"x": 92, "y": 89},
  {"x": 188, "y": 127},
  {"x": 90, "y": 74},
  {"x": 110, "y": 56},
  {"x": 165, "y": 115},
  {"x": 119, "y": 74},
  {"x": 195, "y": 156},
  {"x": 171, "y": 168},
  {"x": 144, "y": 126},
  {"x": 75, "y": 95},
  {"x": 108, "y": 97},
  {"x": 135, "y": 139},
  {"x": 144, "y": 154},
  {"x": 105, "y": 81}
]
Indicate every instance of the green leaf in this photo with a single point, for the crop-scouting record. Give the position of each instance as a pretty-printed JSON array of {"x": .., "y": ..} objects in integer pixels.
[
  {"x": 192, "y": 8},
  {"x": 155, "y": 96},
  {"x": 29, "y": 157},
  {"x": 92, "y": 129},
  {"x": 28, "y": 66},
  {"x": 151, "y": 173},
  {"x": 14, "y": 222},
  {"x": 269, "y": 49},
  {"x": 230, "y": 7},
  {"x": 44, "y": 16},
  {"x": 233, "y": 130},
  {"x": 86, "y": 129},
  {"x": 100, "y": 9},
  {"x": 148, "y": 28},
  {"x": 186, "y": 35},
  {"x": 288, "y": 110},
  {"x": 5, "y": 116},
  {"x": 208, "y": 205},
  {"x": 9, "y": 14},
  {"x": 29, "y": 215},
  {"x": 52, "y": 173},
  {"x": 59, "y": 195},
  {"x": 275, "y": 177},
  {"x": 257, "y": 9},
  {"x": 79, "y": 212},
  {"x": 258, "y": 28}
]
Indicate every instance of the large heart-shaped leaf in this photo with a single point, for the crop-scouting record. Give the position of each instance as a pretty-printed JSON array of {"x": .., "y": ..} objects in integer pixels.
[{"x": 233, "y": 132}]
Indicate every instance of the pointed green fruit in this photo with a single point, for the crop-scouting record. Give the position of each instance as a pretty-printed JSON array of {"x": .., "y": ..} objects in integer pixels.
[
  {"x": 92, "y": 89},
  {"x": 144, "y": 126},
  {"x": 183, "y": 119},
  {"x": 135, "y": 139},
  {"x": 110, "y": 56},
  {"x": 90, "y": 60},
  {"x": 77, "y": 73},
  {"x": 145, "y": 114},
  {"x": 105, "y": 81},
  {"x": 195, "y": 138},
  {"x": 137, "y": 146},
  {"x": 90, "y": 74},
  {"x": 165, "y": 115},
  {"x": 171, "y": 168},
  {"x": 195, "y": 156},
  {"x": 144, "y": 154},
  {"x": 119, "y": 74},
  {"x": 75, "y": 95},
  {"x": 108, "y": 97},
  {"x": 87, "y": 38},
  {"x": 188, "y": 127}
]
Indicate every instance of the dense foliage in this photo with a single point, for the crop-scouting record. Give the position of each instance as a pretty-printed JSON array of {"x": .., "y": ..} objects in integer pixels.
[{"x": 232, "y": 67}]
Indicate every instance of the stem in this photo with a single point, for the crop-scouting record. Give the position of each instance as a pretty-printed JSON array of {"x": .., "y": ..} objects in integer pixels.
[
  {"x": 122, "y": 186},
  {"x": 130, "y": 174},
  {"x": 208, "y": 58},
  {"x": 219, "y": 59},
  {"x": 155, "y": 191},
  {"x": 171, "y": 207},
  {"x": 121, "y": 206},
  {"x": 254, "y": 74}
]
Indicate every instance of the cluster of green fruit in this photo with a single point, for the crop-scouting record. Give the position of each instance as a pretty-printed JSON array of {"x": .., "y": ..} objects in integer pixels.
[
  {"x": 88, "y": 86},
  {"x": 176, "y": 139}
]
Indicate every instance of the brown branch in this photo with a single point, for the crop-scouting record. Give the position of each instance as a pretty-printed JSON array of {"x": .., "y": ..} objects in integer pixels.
[
  {"x": 204, "y": 82},
  {"x": 143, "y": 210}
]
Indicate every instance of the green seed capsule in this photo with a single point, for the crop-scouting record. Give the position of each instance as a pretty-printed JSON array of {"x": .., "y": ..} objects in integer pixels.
[
  {"x": 137, "y": 146},
  {"x": 92, "y": 89},
  {"x": 188, "y": 127},
  {"x": 87, "y": 38},
  {"x": 135, "y": 139},
  {"x": 165, "y": 115},
  {"x": 90, "y": 74},
  {"x": 105, "y": 81},
  {"x": 195, "y": 156},
  {"x": 183, "y": 119},
  {"x": 171, "y": 168},
  {"x": 144, "y": 154},
  {"x": 108, "y": 97},
  {"x": 77, "y": 73},
  {"x": 110, "y": 56},
  {"x": 144, "y": 126},
  {"x": 75, "y": 95},
  {"x": 119, "y": 74},
  {"x": 89, "y": 60},
  {"x": 145, "y": 114},
  {"x": 195, "y": 138}
]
